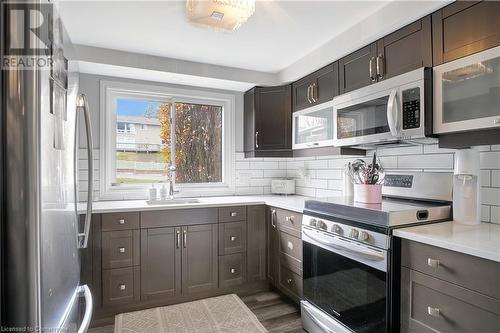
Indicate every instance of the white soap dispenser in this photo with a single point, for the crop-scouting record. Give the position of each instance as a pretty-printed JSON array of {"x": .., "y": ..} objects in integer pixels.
[
  {"x": 152, "y": 193},
  {"x": 163, "y": 191},
  {"x": 467, "y": 187}
]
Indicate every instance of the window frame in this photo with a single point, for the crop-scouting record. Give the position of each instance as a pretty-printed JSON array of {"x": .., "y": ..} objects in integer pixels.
[{"x": 111, "y": 90}]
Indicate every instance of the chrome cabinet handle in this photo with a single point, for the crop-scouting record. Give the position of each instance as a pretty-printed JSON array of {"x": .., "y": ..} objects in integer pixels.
[
  {"x": 233, "y": 214},
  {"x": 89, "y": 305},
  {"x": 121, "y": 221},
  {"x": 380, "y": 66},
  {"x": 121, "y": 249},
  {"x": 289, "y": 219},
  {"x": 233, "y": 271},
  {"x": 82, "y": 104},
  {"x": 289, "y": 281},
  {"x": 273, "y": 215},
  {"x": 434, "y": 263},
  {"x": 184, "y": 233},
  {"x": 232, "y": 238},
  {"x": 122, "y": 287},
  {"x": 309, "y": 94},
  {"x": 178, "y": 233},
  {"x": 434, "y": 312},
  {"x": 257, "y": 139},
  {"x": 372, "y": 77},
  {"x": 314, "y": 92}
]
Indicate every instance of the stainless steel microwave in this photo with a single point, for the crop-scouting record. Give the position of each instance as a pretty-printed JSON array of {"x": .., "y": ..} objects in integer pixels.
[
  {"x": 467, "y": 93},
  {"x": 396, "y": 111}
]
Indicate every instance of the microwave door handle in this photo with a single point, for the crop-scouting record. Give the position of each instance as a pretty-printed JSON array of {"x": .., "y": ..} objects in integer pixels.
[
  {"x": 339, "y": 244},
  {"x": 393, "y": 113}
]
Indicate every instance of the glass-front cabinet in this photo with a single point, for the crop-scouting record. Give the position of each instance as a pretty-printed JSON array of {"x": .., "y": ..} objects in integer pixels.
[
  {"x": 467, "y": 93},
  {"x": 313, "y": 127}
]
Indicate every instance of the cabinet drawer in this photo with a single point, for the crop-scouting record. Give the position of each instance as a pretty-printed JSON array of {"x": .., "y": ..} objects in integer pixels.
[
  {"x": 120, "y": 248},
  {"x": 290, "y": 282},
  {"x": 232, "y": 270},
  {"x": 433, "y": 305},
  {"x": 232, "y": 237},
  {"x": 289, "y": 222},
  {"x": 231, "y": 214},
  {"x": 291, "y": 246},
  {"x": 471, "y": 272},
  {"x": 120, "y": 285},
  {"x": 120, "y": 221},
  {"x": 291, "y": 263}
]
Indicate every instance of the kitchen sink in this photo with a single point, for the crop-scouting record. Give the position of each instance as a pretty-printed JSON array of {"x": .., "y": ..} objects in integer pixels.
[{"x": 173, "y": 201}]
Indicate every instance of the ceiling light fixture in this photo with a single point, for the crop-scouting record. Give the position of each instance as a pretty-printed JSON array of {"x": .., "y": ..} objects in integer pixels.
[{"x": 227, "y": 15}]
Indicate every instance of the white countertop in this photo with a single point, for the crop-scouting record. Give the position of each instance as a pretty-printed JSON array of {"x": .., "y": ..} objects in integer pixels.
[
  {"x": 481, "y": 240},
  {"x": 291, "y": 202}
]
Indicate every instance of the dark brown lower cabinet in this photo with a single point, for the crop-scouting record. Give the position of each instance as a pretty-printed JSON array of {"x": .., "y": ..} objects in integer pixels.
[
  {"x": 120, "y": 285},
  {"x": 273, "y": 250},
  {"x": 256, "y": 243},
  {"x": 199, "y": 258},
  {"x": 232, "y": 270},
  {"x": 160, "y": 263}
]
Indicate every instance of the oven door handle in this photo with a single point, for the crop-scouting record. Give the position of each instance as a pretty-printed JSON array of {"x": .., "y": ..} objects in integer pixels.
[
  {"x": 322, "y": 326},
  {"x": 393, "y": 113},
  {"x": 338, "y": 243}
]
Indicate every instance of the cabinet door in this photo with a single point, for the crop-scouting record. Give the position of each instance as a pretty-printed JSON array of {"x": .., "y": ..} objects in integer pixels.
[
  {"x": 273, "y": 248},
  {"x": 273, "y": 118},
  {"x": 160, "y": 263},
  {"x": 463, "y": 28},
  {"x": 256, "y": 243},
  {"x": 327, "y": 83},
  {"x": 249, "y": 121},
  {"x": 407, "y": 49},
  {"x": 199, "y": 258},
  {"x": 316, "y": 88},
  {"x": 354, "y": 69}
]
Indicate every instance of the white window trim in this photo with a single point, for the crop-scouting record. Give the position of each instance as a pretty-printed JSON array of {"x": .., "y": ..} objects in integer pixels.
[{"x": 109, "y": 90}]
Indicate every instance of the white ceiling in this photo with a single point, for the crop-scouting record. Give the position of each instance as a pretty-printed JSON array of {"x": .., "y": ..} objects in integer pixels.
[{"x": 277, "y": 35}]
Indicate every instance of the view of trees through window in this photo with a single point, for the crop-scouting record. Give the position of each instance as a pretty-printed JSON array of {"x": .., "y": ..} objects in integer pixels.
[{"x": 144, "y": 135}]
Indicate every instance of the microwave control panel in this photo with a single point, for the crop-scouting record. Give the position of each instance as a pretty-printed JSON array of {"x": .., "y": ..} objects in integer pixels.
[{"x": 411, "y": 108}]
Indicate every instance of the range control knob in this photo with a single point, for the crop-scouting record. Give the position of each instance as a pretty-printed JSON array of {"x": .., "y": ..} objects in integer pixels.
[
  {"x": 312, "y": 222},
  {"x": 364, "y": 236},
  {"x": 354, "y": 233},
  {"x": 336, "y": 229},
  {"x": 322, "y": 225}
]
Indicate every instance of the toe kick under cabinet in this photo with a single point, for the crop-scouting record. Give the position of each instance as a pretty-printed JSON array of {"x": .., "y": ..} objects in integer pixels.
[
  {"x": 139, "y": 260},
  {"x": 447, "y": 291}
]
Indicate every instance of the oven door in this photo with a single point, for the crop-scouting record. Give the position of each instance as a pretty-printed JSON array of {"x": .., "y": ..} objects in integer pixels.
[{"x": 346, "y": 280}]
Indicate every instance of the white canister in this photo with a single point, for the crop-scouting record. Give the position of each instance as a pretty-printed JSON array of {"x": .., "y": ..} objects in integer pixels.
[
  {"x": 370, "y": 194},
  {"x": 153, "y": 194}
]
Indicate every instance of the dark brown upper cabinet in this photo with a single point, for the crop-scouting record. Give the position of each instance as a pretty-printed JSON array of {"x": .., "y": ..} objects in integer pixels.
[
  {"x": 316, "y": 88},
  {"x": 463, "y": 28},
  {"x": 268, "y": 122},
  {"x": 404, "y": 50}
]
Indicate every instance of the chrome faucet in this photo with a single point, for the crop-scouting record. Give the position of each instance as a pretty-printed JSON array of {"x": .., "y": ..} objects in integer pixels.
[{"x": 171, "y": 190}]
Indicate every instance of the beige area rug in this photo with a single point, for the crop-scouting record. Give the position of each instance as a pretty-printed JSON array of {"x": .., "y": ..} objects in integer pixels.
[{"x": 225, "y": 313}]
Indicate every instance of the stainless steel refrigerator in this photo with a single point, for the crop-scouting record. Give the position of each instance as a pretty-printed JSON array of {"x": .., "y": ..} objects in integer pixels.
[{"x": 41, "y": 237}]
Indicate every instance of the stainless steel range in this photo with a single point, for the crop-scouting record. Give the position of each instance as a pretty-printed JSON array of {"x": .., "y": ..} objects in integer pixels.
[{"x": 351, "y": 262}]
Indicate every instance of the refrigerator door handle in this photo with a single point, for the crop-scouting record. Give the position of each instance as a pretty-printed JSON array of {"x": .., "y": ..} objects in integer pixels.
[
  {"x": 88, "y": 308},
  {"x": 82, "y": 104}
]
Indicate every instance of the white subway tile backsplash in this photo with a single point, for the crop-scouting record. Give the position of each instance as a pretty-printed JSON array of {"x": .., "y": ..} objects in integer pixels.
[
  {"x": 274, "y": 173},
  {"x": 490, "y": 160},
  {"x": 490, "y": 196},
  {"x": 324, "y": 174},
  {"x": 329, "y": 174},
  {"x": 264, "y": 165},
  {"x": 432, "y": 161},
  {"x": 495, "y": 178}
]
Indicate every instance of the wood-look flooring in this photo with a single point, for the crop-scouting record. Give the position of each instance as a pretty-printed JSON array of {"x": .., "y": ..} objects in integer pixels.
[{"x": 275, "y": 312}]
